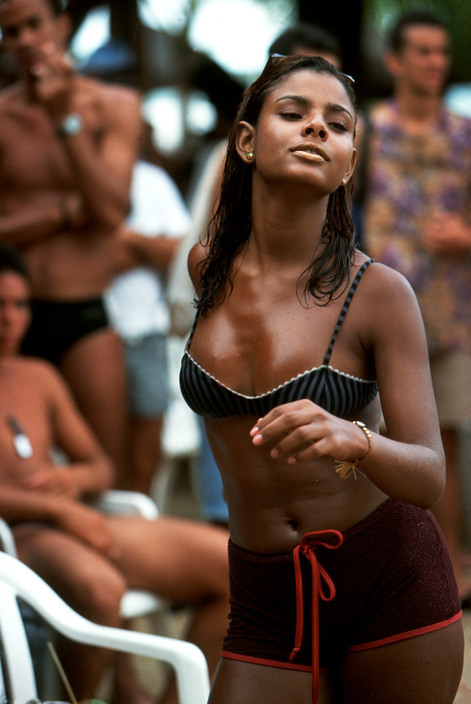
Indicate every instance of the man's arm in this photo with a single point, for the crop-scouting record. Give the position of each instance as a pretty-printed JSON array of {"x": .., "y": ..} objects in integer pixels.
[
  {"x": 18, "y": 505},
  {"x": 158, "y": 221},
  {"x": 52, "y": 493},
  {"x": 138, "y": 250},
  {"x": 87, "y": 470},
  {"x": 103, "y": 171},
  {"x": 447, "y": 235},
  {"x": 80, "y": 109},
  {"x": 30, "y": 224}
]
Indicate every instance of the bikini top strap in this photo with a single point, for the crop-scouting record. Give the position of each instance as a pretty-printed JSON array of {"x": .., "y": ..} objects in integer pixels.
[
  {"x": 192, "y": 331},
  {"x": 345, "y": 308}
]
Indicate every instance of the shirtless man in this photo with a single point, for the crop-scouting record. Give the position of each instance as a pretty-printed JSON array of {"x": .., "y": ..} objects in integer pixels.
[
  {"x": 88, "y": 558},
  {"x": 67, "y": 147}
]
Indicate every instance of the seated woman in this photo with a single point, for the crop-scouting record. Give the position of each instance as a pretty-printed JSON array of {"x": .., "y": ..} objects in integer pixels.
[
  {"x": 88, "y": 558},
  {"x": 341, "y": 583}
]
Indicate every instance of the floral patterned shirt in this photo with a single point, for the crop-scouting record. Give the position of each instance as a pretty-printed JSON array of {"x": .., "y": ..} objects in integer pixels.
[{"x": 410, "y": 178}]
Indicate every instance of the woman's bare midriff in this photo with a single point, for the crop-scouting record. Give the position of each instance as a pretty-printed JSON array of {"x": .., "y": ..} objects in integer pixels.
[{"x": 272, "y": 504}]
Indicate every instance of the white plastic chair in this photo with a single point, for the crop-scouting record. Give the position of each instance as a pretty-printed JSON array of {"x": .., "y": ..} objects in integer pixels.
[{"x": 17, "y": 683}]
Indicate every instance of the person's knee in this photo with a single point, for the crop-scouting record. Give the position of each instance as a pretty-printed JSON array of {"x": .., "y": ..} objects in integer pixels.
[{"x": 100, "y": 596}]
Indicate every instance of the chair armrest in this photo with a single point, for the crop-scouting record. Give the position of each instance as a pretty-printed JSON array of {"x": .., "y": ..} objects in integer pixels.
[
  {"x": 7, "y": 541},
  {"x": 187, "y": 660},
  {"x": 126, "y": 502}
]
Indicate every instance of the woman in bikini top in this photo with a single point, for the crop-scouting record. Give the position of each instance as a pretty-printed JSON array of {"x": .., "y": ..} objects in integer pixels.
[{"x": 278, "y": 282}]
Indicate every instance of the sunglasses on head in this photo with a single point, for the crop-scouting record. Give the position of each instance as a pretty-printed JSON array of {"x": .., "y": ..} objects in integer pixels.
[{"x": 347, "y": 76}]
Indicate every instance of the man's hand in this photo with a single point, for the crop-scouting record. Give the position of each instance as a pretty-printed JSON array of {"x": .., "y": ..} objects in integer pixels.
[
  {"x": 447, "y": 235},
  {"x": 53, "y": 78},
  {"x": 75, "y": 215}
]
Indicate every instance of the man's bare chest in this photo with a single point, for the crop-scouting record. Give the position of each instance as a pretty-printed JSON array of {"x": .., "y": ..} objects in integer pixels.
[
  {"x": 24, "y": 433},
  {"x": 32, "y": 157}
]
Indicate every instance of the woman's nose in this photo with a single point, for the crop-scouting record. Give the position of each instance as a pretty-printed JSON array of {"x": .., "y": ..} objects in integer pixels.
[{"x": 315, "y": 127}]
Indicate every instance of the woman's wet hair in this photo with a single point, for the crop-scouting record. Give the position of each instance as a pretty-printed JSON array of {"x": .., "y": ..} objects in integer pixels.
[{"x": 230, "y": 227}]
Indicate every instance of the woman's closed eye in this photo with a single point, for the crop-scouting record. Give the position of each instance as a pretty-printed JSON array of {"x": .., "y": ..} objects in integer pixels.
[
  {"x": 339, "y": 126},
  {"x": 293, "y": 116},
  {"x": 290, "y": 115}
]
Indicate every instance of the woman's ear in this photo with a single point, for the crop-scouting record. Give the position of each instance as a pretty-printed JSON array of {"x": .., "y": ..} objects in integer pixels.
[
  {"x": 350, "y": 170},
  {"x": 245, "y": 139},
  {"x": 392, "y": 63}
]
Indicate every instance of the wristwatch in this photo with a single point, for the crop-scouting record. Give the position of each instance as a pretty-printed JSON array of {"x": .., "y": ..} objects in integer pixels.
[{"x": 70, "y": 125}]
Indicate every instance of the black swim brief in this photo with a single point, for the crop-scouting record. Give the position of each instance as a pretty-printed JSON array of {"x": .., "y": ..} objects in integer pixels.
[{"x": 57, "y": 325}]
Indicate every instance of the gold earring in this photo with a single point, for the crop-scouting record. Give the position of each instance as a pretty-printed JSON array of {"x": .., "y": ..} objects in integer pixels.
[
  {"x": 344, "y": 182},
  {"x": 249, "y": 156}
]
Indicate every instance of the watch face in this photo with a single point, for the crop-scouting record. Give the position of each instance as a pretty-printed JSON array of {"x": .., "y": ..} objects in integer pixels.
[{"x": 71, "y": 125}]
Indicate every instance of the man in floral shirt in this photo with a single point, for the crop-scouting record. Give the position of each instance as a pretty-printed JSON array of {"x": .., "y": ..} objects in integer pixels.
[{"x": 417, "y": 219}]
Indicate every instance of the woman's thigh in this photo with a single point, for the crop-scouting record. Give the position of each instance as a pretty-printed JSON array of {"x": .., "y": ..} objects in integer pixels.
[
  {"x": 422, "y": 670},
  {"x": 245, "y": 683}
]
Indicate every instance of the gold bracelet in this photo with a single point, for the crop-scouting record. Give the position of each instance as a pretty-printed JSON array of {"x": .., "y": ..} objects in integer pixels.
[{"x": 345, "y": 468}]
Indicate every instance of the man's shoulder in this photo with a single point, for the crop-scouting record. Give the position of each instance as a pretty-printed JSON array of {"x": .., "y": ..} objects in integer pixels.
[
  {"x": 37, "y": 371},
  {"x": 110, "y": 104},
  {"x": 457, "y": 121},
  {"x": 108, "y": 93},
  {"x": 11, "y": 96}
]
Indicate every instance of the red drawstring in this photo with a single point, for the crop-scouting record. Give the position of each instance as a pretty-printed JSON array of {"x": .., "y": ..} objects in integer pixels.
[{"x": 308, "y": 546}]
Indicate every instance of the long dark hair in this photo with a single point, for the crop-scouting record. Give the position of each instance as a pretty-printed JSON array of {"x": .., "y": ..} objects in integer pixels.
[{"x": 230, "y": 227}]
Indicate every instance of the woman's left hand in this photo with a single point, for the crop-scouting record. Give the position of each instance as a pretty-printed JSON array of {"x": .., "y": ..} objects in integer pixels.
[{"x": 302, "y": 431}]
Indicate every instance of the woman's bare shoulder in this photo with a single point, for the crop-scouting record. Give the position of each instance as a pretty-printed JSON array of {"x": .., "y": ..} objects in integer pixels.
[
  {"x": 385, "y": 281},
  {"x": 389, "y": 306},
  {"x": 196, "y": 256}
]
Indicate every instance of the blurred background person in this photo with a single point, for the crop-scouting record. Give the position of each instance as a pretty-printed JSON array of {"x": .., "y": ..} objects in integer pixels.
[
  {"x": 157, "y": 222},
  {"x": 68, "y": 144},
  {"x": 89, "y": 558},
  {"x": 417, "y": 219},
  {"x": 136, "y": 298}
]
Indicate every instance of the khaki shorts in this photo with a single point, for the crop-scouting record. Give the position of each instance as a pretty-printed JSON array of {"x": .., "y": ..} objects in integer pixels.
[
  {"x": 148, "y": 376},
  {"x": 451, "y": 376}
]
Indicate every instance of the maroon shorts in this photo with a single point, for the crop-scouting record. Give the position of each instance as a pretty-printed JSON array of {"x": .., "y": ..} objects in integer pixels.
[{"x": 386, "y": 579}]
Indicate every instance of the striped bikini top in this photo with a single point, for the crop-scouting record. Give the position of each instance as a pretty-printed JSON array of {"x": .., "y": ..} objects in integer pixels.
[{"x": 336, "y": 392}]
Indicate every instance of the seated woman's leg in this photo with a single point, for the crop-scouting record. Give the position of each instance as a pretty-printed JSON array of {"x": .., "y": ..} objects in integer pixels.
[
  {"x": 86, "y": 581},
  {"x": 185, "y": 562}
]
